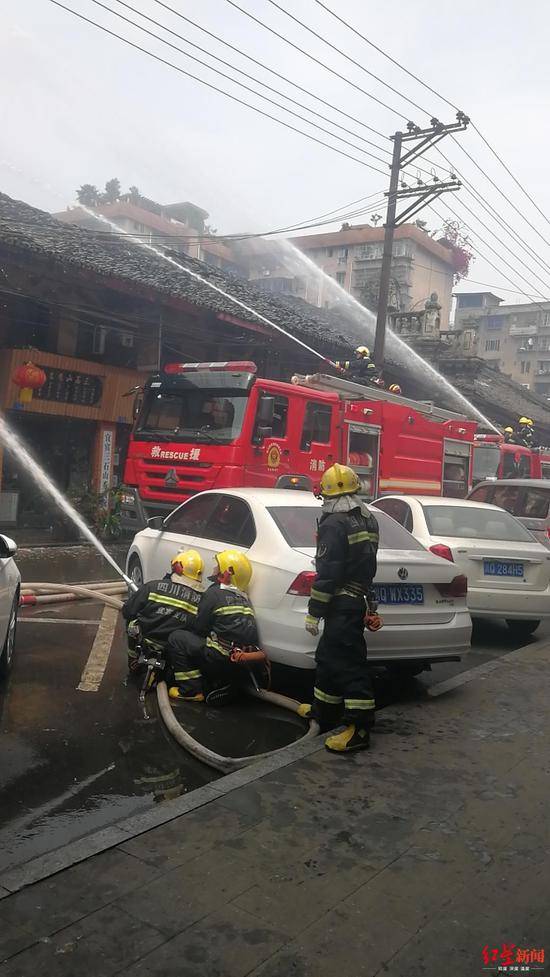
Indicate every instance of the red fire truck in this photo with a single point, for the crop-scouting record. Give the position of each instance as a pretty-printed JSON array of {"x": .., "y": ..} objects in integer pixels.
[
  {"x": 494, "y": 458},
  {"x": 216, "y": 425}
]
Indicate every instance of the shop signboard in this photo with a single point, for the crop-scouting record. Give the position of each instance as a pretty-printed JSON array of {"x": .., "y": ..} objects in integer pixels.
[
  {"x": 70, "y": 387},
  {"x": 107, "y": 439}
]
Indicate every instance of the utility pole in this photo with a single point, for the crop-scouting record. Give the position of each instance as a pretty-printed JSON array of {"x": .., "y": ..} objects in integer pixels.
[{"x": 421, "y": 195}]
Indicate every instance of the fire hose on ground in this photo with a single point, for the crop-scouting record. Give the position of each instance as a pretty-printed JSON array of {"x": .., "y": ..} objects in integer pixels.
[{"x": 50, "y": 592}]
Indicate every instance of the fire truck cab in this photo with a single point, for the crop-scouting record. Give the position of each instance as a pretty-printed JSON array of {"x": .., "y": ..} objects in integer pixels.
[
  {"x": 216, "y": 425},
  {"x": 495, "y": 458}
]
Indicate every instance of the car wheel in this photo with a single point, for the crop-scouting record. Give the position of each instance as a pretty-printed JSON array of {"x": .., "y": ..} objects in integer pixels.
[
  {"x": 135, "y": 570},
  {"x": 523, "y": 628},
  {"x": 7, "y": 653}
]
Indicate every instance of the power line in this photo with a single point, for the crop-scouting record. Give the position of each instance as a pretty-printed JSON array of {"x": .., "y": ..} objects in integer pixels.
[
  {"x": 234, "y": 81},
  {"x": 447, "y": 102},
  {"x": 495, "y": 214},
  {"x": 493, "y": 250},
  {"x": 480, "y": 254},
  {"x": 316, "y": 60},
  {"x": 207, "y": 84},
  {"x": 499, "y": 239},
  {"x": 353, "y": 61},
  {"x": 246, "y": 74},
  {"x": 509, "y": 171},
  {"x": 387, "y": 56},
  {"x": 502, "y": 194},
  {"x": 210, "y": 238}
]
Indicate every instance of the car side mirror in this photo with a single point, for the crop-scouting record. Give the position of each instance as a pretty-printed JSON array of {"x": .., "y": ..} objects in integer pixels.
[
  {"x": 266, "y": 410},
  {"x": 8, "y": 547},
  {"x": 156, "y": 522}
]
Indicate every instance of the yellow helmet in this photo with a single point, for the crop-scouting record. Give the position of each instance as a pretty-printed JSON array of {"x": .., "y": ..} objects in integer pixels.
[
  {"x": 394, "y": 388},
  {"x": 237, "y": 565},
  {"x": 339, "y": 480},
  {"x": 363, "y": 351},
  {"x": 508, "y": 430},
  {"x": 188, "y": 563},
  {"x": 526, "y": 420}
]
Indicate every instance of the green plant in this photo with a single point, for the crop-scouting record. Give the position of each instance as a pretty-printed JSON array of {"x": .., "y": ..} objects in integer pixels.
[{"x": 101, "y": 510}]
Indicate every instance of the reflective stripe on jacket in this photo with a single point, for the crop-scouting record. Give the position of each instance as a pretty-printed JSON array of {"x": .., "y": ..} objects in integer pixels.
[
  {"x": 345, "y": 560},
  {"x": 162, "y": 606}
]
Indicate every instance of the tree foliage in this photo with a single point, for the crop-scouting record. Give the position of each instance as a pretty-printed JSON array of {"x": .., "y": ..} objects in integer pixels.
[
  {"x": 88, "y": 195},
  {"x": 112, "y": 191}
]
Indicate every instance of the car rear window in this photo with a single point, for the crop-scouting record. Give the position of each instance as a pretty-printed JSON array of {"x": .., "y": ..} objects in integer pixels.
[
  {"x": 534, "y": 503},
  {"x": 298, "y": 525},
  {"x": 474, "y": 522}
]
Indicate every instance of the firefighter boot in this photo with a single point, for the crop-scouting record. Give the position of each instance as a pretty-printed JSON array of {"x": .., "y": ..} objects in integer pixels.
[
  {"x": 351, "y": 739},
  {"x": 175, "y": 693}
]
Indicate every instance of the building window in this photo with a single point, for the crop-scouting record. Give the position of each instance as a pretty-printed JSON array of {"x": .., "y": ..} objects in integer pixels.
[
  {"x": 341, "y": 277},
  {"x": 543, "y": 366},
  {"x": 546, "y": 318},
  {"x": 525, "y": 366},
  {"x": 495, "y": 321},
  {"x": 492, "y": 345},
  {"x": 330, "y": 252}
]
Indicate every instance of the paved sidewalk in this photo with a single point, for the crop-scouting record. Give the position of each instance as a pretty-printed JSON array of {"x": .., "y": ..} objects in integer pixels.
[{"x": 405, "y": 861}]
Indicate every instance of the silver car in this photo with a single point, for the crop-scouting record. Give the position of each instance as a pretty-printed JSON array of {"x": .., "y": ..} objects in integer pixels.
[
  {"x": 10, "y": 583},
  {"x": 528, "y": 499}
]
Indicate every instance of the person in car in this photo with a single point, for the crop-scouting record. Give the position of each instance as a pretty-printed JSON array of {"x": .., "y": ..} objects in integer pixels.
[
  {"x": 212, "y": 654},
  {"x": 342, "y": 595},
  {"x": 161, "y": 606}
]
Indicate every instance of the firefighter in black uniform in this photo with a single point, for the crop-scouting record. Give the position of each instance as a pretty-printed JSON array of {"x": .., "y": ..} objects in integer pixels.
[
  {"x": 224, "y": 635},
  {"x": 342, "y": 594},
  {"x": 361, "y": 369},
  {"x": 161, "y": 606}
]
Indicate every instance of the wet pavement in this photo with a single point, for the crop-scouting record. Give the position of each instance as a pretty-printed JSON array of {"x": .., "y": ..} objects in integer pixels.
[{"x": 73, "y": 762}]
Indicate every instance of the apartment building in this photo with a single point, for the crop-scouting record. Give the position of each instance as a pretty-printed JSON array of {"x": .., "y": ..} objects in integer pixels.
[
  {"x": 353, "y": 257},
  {"x": 514, "y": 338}
]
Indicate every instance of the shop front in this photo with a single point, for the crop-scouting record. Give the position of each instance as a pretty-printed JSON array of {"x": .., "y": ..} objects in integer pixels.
[{"x": 75, "y": 423}]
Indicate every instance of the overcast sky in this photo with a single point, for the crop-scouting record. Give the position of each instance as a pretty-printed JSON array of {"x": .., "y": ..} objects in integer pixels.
[{"x": 79, "y": 106}]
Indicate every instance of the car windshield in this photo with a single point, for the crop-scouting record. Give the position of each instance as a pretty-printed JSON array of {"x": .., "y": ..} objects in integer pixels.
[
  {"x": 298, "y": 525},
  {"x": 192, "y": 415},
  {"x": 474, "y": 522}
]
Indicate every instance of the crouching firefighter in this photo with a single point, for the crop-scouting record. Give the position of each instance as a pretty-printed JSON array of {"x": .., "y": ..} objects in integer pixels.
[
  {"x": 161, "y": 606},
  {"x": 341, "y": 594},
  {"x": 218, "y": 654}
]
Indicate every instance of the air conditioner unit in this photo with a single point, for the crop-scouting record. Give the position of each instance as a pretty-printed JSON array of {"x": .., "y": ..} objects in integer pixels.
[{"x": 127, "y": 339}]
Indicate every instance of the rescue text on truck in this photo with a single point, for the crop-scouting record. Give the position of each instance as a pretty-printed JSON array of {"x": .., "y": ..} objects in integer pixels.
[{"x": 217, "y": 425}]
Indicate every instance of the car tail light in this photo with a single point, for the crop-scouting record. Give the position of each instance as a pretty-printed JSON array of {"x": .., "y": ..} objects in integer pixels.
[
  {"x": 548, "y": 531},
  {"x": 458, "y": 587},
  {"x": 443, "y": 551},
  {"x": 301, "y": 586}
]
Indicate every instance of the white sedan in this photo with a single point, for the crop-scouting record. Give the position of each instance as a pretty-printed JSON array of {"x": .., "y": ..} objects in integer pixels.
[
  {"x": 10, "y": 583},
  {"x": 508, "y": 571},
  {"x": 422, "y": 599}
]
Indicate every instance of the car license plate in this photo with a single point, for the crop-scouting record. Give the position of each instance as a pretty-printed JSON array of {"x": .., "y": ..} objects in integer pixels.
[
  {"x": 399, "y": 593},
  {"x": 498, "y": 568}
]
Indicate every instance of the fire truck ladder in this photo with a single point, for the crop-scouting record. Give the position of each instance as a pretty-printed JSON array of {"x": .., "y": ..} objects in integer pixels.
[{"x": 349, "y": 390}]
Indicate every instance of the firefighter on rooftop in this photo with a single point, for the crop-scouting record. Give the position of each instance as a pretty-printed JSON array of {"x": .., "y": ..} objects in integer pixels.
[
  {"x": 342, "y": 595},
  {"x": 361, "y": 368}
]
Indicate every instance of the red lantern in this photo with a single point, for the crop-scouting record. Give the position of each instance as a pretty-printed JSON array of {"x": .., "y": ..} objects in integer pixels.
[{"x": 28, "y": 377}]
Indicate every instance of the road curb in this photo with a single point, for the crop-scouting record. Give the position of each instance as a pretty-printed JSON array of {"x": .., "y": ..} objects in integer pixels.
[{"x": 44, "y": 866}]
